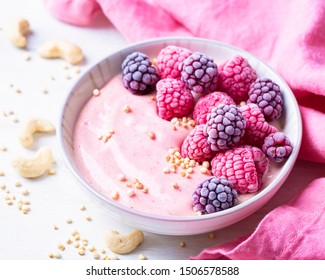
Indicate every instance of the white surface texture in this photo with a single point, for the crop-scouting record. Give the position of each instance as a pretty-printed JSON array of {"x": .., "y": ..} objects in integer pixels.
[{"x": 54, "y": 198}]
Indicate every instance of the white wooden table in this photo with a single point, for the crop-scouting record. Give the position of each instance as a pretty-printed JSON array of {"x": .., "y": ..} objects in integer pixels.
[{"x": 56, "y": 198}]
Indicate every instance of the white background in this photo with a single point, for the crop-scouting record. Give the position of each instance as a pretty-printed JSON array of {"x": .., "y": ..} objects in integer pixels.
[{"x": 58, "y": 197}]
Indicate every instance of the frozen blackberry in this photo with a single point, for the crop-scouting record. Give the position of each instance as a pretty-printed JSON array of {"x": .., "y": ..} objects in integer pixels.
[
  {"x": 268, "y": 97},
  {"x": 225, "y": 127},
  {"x": 277, "y": 147},
  {"x": 139, "y": 76},
  {"x": 199, "y": 73},
  {"x": 213, "y": 195}
]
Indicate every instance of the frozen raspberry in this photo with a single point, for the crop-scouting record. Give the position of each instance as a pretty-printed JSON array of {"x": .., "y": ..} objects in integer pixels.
[
  {"x": 235, "y": 77},
  {"x": 267, "y": 95},
  {"x": 225, "y": 127},
  {"x": 195, "y": 146},
  {"x": 256, "y": 126},
  {"x": 206, "y": 103},
  {"x": 277, "y": 147},
  {"x": 139, "y": 76},
  {"x": 173, "y": 99},
  {"x": 199, "y": 73},
  {"x": 169, "y": 59},
  {"x": 213, "y": 195},
  {"x": 244, "y": 166}
]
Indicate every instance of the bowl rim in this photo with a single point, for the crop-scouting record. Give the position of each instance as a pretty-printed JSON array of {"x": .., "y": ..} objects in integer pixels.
[{"x": 279, "y": 180}]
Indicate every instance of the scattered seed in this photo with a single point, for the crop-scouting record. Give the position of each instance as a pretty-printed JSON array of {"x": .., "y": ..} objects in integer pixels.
[
  {"x": 106, "y": 258},
  {"x": 81, "y": 252},
  {"x": 121, "y": 177},
  {"x": 76, "y": 69},
  {"x": 3, "y": 148},
  {"x": 27, "y": 57},
  {"x": 61, "y": 247},
  {"x": 130, "y": 193},
  {"x": 203, "y": 170},
  {"x": 128, "y": 184},
  {"x": 182, "y": 244},
  {"x": 51, "y": 171},
  {"x": 91, "y": 249},
  {"x": 175, "y": 186},
  {"x": 88, "y": 218},
  {"x": 68, "y": 241},
  {"x": 212, "y": 235},
  {"x": 68, "y": 221},
  {"x": 9, "y": 202},
  {"x": 65, "y": 66},
  {"x": 57, "y": 255},
  {"x": 102, "y": 250},
  {"x": 152, "y": 135},
  {"x": 2, "y": 186},
  {"x": 52, "y": 78},
  {"x": 145, "y": 190},
  {"x": 77, "y": 237},
  {"x": 206, "y": 164},
  {"x": 17, "y": 90},
  {"x": 142, "y": 257},
  {"x": 26, "y": 202},
  {"x": 153, "y": 98},
  {"x": 44, "y": 90},
  {"x": 114, "y": 258},
  {"x": 51, "y": 255},
  {"x": 67, "y": 76},
  {"x": 74, "y": 233},
  {"x": 2, "y": 173},
  {"x": 17, "y": 184},
  {"x": 25, "y": 210},
  {"x": 127, "y": 109},
  {"x": 115, "y": 195},
  {"x": 15, "y": 120},
  {"x": 95, "y": 255},
  {"x": 82, "y": 208},
  {"x": 96, "y": 92},
  {"x": 25, "y": 192}
]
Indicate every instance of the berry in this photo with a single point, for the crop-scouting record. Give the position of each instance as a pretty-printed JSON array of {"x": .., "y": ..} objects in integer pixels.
[
  {"x": 206, "y": 103},
  {"x": 256, "y": 126},
  {"x": 199, "y": 73},
  {"x": 235, "y": 77},
  {"x": 196, "y": 147},
  {"x": 277, "y": 147},
  {"x": 225, "y": 127},
  {"x": 169, "y": 59},
  {"x": 213, "y": 195},
  {"x": 244, "y": 166},
  {"x": 268, "y": 97},
  {"x": 139, "y": 76},
  {"x": 173, "y": 99}
]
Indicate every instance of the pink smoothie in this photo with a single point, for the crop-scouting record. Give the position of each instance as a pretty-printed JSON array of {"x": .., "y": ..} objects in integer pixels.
[{"x": 130, "y": 151}]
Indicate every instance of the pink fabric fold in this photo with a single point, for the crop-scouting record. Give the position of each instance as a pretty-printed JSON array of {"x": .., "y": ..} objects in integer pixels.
[
  {"x": 290, "y": 37},
  {"x": 294, "y": 231}
]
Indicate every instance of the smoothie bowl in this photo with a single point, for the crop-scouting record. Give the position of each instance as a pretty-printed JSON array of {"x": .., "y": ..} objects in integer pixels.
[{"x": 128, "y": 148}]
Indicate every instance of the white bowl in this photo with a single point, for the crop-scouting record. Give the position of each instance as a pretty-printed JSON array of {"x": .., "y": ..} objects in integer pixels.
[{"x": 103, "y": 71}]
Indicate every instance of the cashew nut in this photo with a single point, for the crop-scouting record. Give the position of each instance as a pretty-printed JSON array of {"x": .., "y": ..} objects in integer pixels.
[
  {"x": 124, "y": 244},
  {"x": 32, "y": 126},
  {"x": 16, "y": 31},
  {"x": 34, "y": 167},
  {"x": 61, "y": 49}
]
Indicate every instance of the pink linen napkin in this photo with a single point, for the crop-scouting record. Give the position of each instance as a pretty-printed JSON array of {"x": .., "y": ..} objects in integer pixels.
[{"x": 289, "y": 36}]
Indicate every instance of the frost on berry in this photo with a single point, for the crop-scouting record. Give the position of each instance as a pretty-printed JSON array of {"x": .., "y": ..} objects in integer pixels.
[
  {"x": 196, "y": 147},
  {"x": 206, "y": 103},
  {"x": 257, "y": 128},
  {"x": 168, "y": 61},
  {"x": 244, "y": 166},
  {"x": 214, "y": 195},
  {"x": 174, "y": 100},
  {"x": 235, "y": 77},
  {"x": 199, "y": 73},
  {"x": 268, "y": 97},
  {"x": 138, "y": 74},
  {"x": 277, "y": 147},
  {"x": 225, "y": 127}
]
